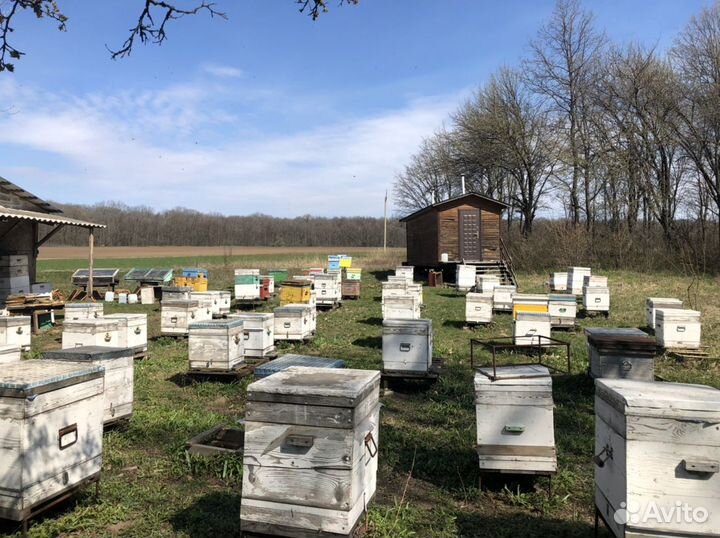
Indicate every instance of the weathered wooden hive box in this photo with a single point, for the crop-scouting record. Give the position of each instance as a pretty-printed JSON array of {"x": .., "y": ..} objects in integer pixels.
[
  {"x": 401, "y": 307},
  {"x": 351, "y": 289},
  {"x": 576, "y": 279},
  {"x": 503, "y": 298},
  {"x": 328, "y": 289},
  {"x": 465, "y": 276},
  {"x": 562, "y": 308},
  {"x": 478, "y": 307},
  {"x": 558, "y": 281},
  {"x": 119, "y": 366},
  {"x": 133, "y": 330},
  {"x": 10, "y": 353},
  {"x": 247, "y": 284},
  {"x": 224, "y": 302},
  {"x": 486, "y": 283},
  {"x": 295, "y": 291},
  {"x": 405, "y": 271},
  {"x": 15, "y": 331},
  {"x": 75, "y": 311},
  {"x": 181, "y": 293},
  {"x": 393, "y": 289},
  {"x": 206, "y": 302},
  {"x": 595, "y": 280},
  {"x": 656, "y": 451},
  {"x": 407, "y": 345},
  {"x": 625, "y": 353},
  {"x": 176, "y": 316},
  {"x": 529, "y": 328},
  {"x": 515, "y": 423},
  {"x": 291, "y": 359},
  {"x": 293, "y": 322},
  {"x": 530, "y": 302},
  {"x": 14, "y": 275},
  {"x": 653, "y": 303},
  {"x": 216, "y": 344},
  {"x": 678, "y": 328},
  {"x": 51, "y": 426},
  {"x": 259, "y": 331},
  {"x": 91, "y": 332},
  {"x": 596, "y": 299},
  {"x": 265, "y": 288},
  {"x": 311, "y": 451}
]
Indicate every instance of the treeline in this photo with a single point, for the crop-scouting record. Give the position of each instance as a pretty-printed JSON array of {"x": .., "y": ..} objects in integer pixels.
[
  {"x": 617, "y": 140},
  {"x": 142, "y": 226}
]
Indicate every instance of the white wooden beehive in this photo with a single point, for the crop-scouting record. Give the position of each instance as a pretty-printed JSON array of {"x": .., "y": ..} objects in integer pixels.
[
  {"x": 176, "y": 316},
  {"x": 293, "y": 322},
  {"x": 225, "y": 302},
  {"x": 595, "y": 280},
  {"x": 621, "y": 353},
  {"x": 311, "y": 451},
  {"x": 653, "y": 303},
  {"x": 118, "y": 363},
  {"x": 133, "y": 330},
  {"x": 259, "y": 331},
  {"x": 206, "y": 301},
  {"x": 10, "y": 353},
  {"x": 558, "y": 281},
  {"x": 91, "y": 332},
  {"x": 479, "y": 307},
  {"x": 393, "y": 289},
  {"x": 248, "y": 291},
  {"x": 328, "y": 289},
  {"x": 576, "y": 279},
  {"x": 514, "y": 420},
  {"x": 465, "y": 276},
  {"x": 416, "y": 289},
  {"x": 75, "y": 311},
  {"x": 530, "y": 327},
  {"x": 407, "y": 345},
  {"x": 562, "y": 309},
  {"x": 51, "y": 426},
  {"x": 503, "y": 298},
  {"x": 678, "y": 328},
  {"x": 401, "y": 307},
  {"x": 486, "y": 283},
  {"x": 216, "y": 344},
  {"x": 596, "y": 299},
  {"x": 657, "y": 446},
  {"x": 176, "y": 293},
  {"x": 15, "y": 331},
  {"x": 405, "y": 271}
]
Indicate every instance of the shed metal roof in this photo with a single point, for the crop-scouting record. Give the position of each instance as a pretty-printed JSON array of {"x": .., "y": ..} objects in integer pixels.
[
  {"x": 18, "y": 191},
  {"x": 453, "y": 199},
  {"x": 7, "y": 213}
]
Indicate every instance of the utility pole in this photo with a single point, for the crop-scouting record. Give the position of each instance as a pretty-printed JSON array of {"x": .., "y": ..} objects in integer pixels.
[{"x": 385, "y": 225}]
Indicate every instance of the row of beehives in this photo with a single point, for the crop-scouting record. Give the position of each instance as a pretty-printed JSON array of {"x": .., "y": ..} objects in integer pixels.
[
  {"x": 402, "y": 298},
  {"x": 575, "y": 280}
]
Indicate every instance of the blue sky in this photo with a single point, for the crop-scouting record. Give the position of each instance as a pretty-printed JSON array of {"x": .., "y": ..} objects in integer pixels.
[{"x": 268, "y": 111}]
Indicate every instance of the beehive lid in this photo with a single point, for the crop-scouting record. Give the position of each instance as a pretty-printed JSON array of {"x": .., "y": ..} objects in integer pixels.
[
  {"x": 292, "y": 309},
  {"x": 297, "y": 282},
  {"x": 180, "y": 303},
  {"x": 596, "y": 289},
  {"x": 587, "y": 270},
  {"x": 26, "y": 378},
  {"x": 14, "y": 320},
  {"x": 521, "y": 297},
  {"x": 646, "y": 397},
  {"x": 562, "y": 298},
  {"x": 408, "y": 324},
  {"x": 291, "y": 359},
  {"x": 316, "y": 386},
  {"x": 532, "y": 375},
  {"x": 136, "y": 274},
  {"x": 83, "y": 306},
  {"x": 532, "y": 316},
  {"x": 479, "y": 297},
  {"x": 252, "y": 316},
  {"x": 559, "y": 274},
  {"x": 177, "y": 289},
  {"x": 677, "y": 314},
  {"x": 231, "y": 323},
  {"x": 7, "y": 349},
  {"x": 97, "y": 323},
  {"x": 657, "y": 301},
  {"x": 87, "y": 353},
  {"x": 506, "y": 287}
]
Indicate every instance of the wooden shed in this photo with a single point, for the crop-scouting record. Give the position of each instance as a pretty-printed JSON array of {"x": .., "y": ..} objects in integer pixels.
[{"x": 463, "y": 229}]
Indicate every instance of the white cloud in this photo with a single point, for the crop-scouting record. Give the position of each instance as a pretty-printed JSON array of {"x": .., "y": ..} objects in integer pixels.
[
  {"x": 222, "y": 71},
  {"x": 182, "y": 146}
]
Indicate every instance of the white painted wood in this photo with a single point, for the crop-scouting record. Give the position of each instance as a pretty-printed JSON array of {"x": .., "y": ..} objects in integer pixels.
[
  {"x": 91, "y": 332},
  {"x": 76, "y": 311},
  {"x": 678, "y": 328},
  {"x": 132, "y": 329},
  {"x": 407, "y": 345},
  {"x": 225, "y": 301},
  {"x": 479, "y": 307},
  {"x": 562, "y": 309},
  {"x": 596, "y": 299},
  {"x": 176, "y": 293},
  {"x": 558, "y": 281},
  {"x": 401, "y": 307},
  {"x": 207, "y": 299},
  {"x": 503, "y": 298},
  {"x": 405, "y": 271},
  {"x": 486, "y": 283},
  {"x": 216, "y": 345},
  {"x": 595, "y": 280},
  {"x": 465, "y": 276},
  {"x": 15, "y": 331},
  {"x": 176, "y": 316},
  {"x": 293, "y": 322},
  {"x": 259, "y": 333},
  {"x": 328, "y": 289},
  {"x": 653, "y": 303},
  {"x": 10, "y": 353},
  {"x": 576, "y": 277},
  {"x": 147, "y": 295},
  {"x": 529, "y": 327},
  {"x": 652, "y": 429}
]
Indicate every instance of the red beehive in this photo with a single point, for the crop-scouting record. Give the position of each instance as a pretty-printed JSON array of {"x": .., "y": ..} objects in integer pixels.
[{"x": 265, "y": 288}]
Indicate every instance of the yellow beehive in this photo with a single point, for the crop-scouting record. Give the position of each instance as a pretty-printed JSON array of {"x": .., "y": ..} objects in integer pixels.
[
  {"x": 199, "y": 283},
  {"x": 346, "y": 261},
  {"x": 181, "y": 282},
  {"x": 294, "y": 291},
  {"x": 530, "y": 303}
]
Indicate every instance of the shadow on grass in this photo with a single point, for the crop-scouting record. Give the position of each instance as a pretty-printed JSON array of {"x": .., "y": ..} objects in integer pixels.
[
  {"x": 452, "y": 295},
  {"x": 372, "y": 321},
  {"x": 455, "y": 324},
  {"x": 512, "y": 526},
  {"x": 202, "y": 518},
  {"x": 372, "y": 342},
  {"x": 409, "y": 386},
  {"x": 381, "y": 276}
]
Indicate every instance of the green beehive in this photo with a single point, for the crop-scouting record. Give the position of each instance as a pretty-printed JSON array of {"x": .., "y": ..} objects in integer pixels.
[{"x": 280, "y": 275}]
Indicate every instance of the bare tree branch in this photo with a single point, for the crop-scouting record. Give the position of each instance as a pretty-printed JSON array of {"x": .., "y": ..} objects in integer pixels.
[{"x": 317, "y": 7}]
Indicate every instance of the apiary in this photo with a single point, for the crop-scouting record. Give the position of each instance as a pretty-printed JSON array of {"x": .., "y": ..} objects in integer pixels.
[
  {"x": 595, "y": 280},
  {"x": 478, "y": 308},
  {"x": 181, "y": 293},
  {"x": 621, "y": 353},
  {"x": 295, "y": 291},
  {"x": 530, "y": 327},
  {"x": 596, "y": 299},
  {"x": 486, "y": 283},
  {"x": 351, "y": 289},
  {"x": 293, "y": 322},
  {"x": 259, "y": 332},
  {"x": 311, "y": 451},
  {"x": 353, "y": 273},
  {"x": 503, "y": 298},
  {"x": 176, "y": 316},
  {"x": 407, "y": 345},
  {"x": 15, "y": 331},
  {"x": 51, "y": 423},
  {"x": 216, "y": 344},
  {"x": 119, "y": 367},
  {"x": 210, "y": 300},
  {"x": 75, "y": 311},
  {"x": 132, "y": 330},
  {"x": 656, "y": 452},
  {"x": 528, "y": 302},
  {"x": 558, "y": 282},
  {"x": 465, "y": 276},
  {"x": 328, "y": 289},
  {"x": 401, "y": 307},
  {"x": 247, "y": 284},
  {"x": 562, "y": 308},
  {"x": 678, "y": 328},
  {"x": 91, "y": 332},
  {"x": 514, "y": 420},
  {"x": 291, "y": 359},
  {"x": 405, "y": 271},
  {"x": 9, "y": 353},
  {"x": 576, "y": 279},
  {"x": 653, "y": 303}
]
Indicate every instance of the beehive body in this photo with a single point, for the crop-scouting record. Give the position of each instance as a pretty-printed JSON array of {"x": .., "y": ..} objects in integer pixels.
[
  {"x": 247, "y": 284},
  {"x": 295, "y": 291},
  {"x": 351, "y": 289},
  {"x": 678, "y": 328},
  {"x": 328, "y": 289},
  {"x": 259, "y": 333},
  {"x": 486, "y": 283},
  {"x": 310, "y": 460},
  {"x": 478, "y": 307},
  {"x": 657, "y": 434},
  {"x": 401, "y": 307},
  {"x": 562, "y": 309},
  {"x": 216, "y": 344},
  {"x": 91, "y": 332},
  {"x": 293, "y": 322},
  {"x": 596, "y": 299},
  {"x": 132, "y": 330},
  {"x": 51, "y": 427},
  {"x": 173, "y": 294},
  {"x": 353, "y": 273},
  {"x": 514, "y": 420},
  {"x": 76, "y": 311},
  {"x": 407, "y": 345},
  {"x": 118, "y": 363},
  {"x": 10, "y": 353},
  {"x": 558, "y": 281},
  {"x": 405, "y": 271},
  {"x": 15, "y": 331},
  {"x": 653, "y": 303},
  {"x": 528, "y": 302},
  {"x": 224, "y": 302},
  {"x": 176, "y": 316},
  {"x": 576, "y": 279},
  {"x": 503, "y": 298},
  {"x": 207, "y": 301},
  {"x": 595, "y": 280},
  {"x": 531, "y": 328},
  {"x": 465, "y": 276}
]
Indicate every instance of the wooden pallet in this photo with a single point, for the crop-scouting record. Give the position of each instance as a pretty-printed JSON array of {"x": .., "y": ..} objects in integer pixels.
[
  {"x": 434, "y": 372},
  {"x": 688, "y": 354},
  {"x": 243, "y": 369},
  {"x": 140, "y": 353}
]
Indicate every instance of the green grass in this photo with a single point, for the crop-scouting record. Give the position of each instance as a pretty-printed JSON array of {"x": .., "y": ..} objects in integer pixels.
[{"x": 429, "y": 480}]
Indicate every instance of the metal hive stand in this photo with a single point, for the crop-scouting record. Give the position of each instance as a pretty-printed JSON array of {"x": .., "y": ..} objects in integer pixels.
[{"x": 510, "y": 343}]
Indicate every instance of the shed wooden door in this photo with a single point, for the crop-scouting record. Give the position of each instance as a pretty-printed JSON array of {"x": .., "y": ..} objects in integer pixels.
[{"x": 470, "y": 248}]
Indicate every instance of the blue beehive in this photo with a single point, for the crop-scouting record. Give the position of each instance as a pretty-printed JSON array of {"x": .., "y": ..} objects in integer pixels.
[
  {"x": 333, "y": 262},
  {"x": 291, "y": 359},
  {"x": 194, "y": 272}
]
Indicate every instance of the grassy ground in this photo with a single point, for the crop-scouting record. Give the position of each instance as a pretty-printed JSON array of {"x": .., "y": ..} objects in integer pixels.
[{"x": 428, "y": 484}]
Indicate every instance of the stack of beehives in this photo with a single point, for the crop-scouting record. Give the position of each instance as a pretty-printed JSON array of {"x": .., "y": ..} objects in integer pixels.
[
  {"x": 193, "y": 277},
  {"x": 328, "y": 288},
  {"x": 351, "y": 282},
  {"x": 14, "y": 276},
  {"x": 576, "y": 279},
  {"x": 401, "y": 299}
]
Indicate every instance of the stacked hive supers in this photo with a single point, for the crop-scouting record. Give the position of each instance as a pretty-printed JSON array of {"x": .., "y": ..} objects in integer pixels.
[
  {"x": 407, "y": 346},
  {"x": 14, "y": 275}
]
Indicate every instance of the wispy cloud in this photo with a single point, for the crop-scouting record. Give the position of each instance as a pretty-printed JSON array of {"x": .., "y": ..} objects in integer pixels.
[{"x": 222, "y": 71}]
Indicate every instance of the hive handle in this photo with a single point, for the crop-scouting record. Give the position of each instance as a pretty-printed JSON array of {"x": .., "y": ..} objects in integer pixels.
[
  {"x": 64, "y": 432},
  {"x": 19, "y": 330},
  {"x": 701, "y": 466},
  {"x": 605, "y": 454},
  {"x": 138, "y": 330},
  {"x": 371, "y": 445},
  {"x": 108, "y": 337}
]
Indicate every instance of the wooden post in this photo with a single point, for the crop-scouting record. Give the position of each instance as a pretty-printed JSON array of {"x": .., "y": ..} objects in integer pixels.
[
  {"x": 91, "y": 244},
  {"x": 385, "y": 226}
]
